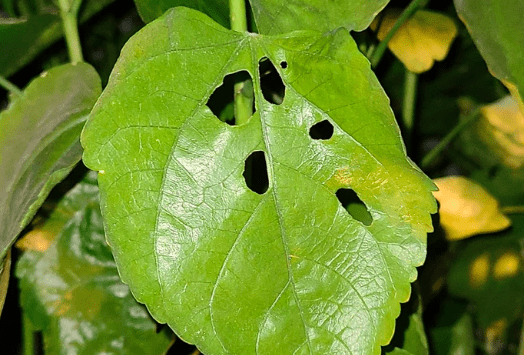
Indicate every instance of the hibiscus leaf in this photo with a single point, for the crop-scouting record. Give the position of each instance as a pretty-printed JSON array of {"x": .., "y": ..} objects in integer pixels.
[{"x": 232, "y": 268}]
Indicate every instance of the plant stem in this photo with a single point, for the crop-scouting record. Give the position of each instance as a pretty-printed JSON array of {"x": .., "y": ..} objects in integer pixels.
[
  {"x": 408, "y": 107},
  {"x": 243, "y": 103},
  {"x": 237, "y": 15},
  {"x": 513, "y": 210},
  {"x": 9, "y": 86},
  {"x": 69, "y": 12},
  {"x": 404, "y": 16},
  {"x": 28, "y": 336},
  {"x": 435, "y": 152}
]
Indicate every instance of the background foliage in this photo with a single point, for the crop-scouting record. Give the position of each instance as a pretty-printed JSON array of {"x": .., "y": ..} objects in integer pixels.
[{"x": 456, "y": 119}]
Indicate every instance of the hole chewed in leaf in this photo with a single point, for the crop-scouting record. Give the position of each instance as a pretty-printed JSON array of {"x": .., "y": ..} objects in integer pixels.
[
  {"x": 321, "y": 130},
  {"x": 221, "y": 100},
  {"x": 354, "y": 205},
  {"x": 271, "y": 83},
  {"x": 283, "y": 64},
  {"x": 255, "y": 172}
]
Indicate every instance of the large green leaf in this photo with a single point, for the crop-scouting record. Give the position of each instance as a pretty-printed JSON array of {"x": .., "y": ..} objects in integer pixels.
[
  {"x": 496, "y": 28},
  {"x": 277, "y": 16},
  {"x": 218, "y": 10},
  {"x": 73, "y": 292},
  {"x": 39, "y": 141},
  {"x": 231, "y": 270}
]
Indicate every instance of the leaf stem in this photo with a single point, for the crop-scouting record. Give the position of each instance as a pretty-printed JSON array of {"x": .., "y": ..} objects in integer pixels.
[
  {"x": 237, "y": 15},
  {"x": 9, "y": 86},
  {"x": 28, "y": 336},
  {"x": 513, "y": 210},
  {"x": 408, "y": 107},
  {"x": 435, "y": 152},
  {"x": 243, "y": 103},
  {"x": 68, "y": 13},
  {"x": 377, "y": 54}
]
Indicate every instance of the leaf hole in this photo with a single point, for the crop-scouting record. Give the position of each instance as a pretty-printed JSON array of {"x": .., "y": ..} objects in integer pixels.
[
  {"x": 354, "y": 205},
  {"x": 321, "y": 130},
  {"x": 283, "y": 64},
  {"x": 271, "y": 83},
  {"x": 255, "y": 172},
  {"x": 221, "y": 101}
]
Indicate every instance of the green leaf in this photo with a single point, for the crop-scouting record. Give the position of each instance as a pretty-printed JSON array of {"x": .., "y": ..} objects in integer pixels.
[
  {"x": 39, "y": 142},
  {"x": 489, "y": 271},
  {"x": 276, "y": 16},
  {"x": 453, "y": 332},
  {"x": 5, "y": 271},
  {"x": 496, "y": 28},
  {"x": 200, "y": 248},
  {"x": 24, "y": 39},
  {"x": 73, "y": 292},
  {"x": 218, "y": 10},
  {"x": 410, "y": 336}
]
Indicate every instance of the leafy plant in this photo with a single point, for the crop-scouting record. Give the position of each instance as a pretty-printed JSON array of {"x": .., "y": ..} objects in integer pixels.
[{"x": 254, "y": 190}]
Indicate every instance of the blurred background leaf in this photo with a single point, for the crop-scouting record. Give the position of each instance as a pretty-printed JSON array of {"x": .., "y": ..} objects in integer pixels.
[{"x": 72, "y": 290}]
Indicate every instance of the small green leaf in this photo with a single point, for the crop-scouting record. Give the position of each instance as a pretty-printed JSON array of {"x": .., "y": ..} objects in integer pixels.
[
  {"x": 496, "y": 28},
  {"x": 233, "y": 270},
  {"x": 218, "y": 10},
  {"x": 39, "y": 142},
  {"x": 73, "y": 293},
  {"x": 277, "y": 16},
  {"x": 410, "y": 336}
]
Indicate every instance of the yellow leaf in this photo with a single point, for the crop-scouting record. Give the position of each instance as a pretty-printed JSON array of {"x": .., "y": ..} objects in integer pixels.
[
  {"x": 501, "y": 128},
  {"x": 478, "y": 271},
  {"x": 507, "y": 265},
  {"x": 424, "y": 38},
  {"x": 37, "y": 240},
  {"x": 466, "y": 208},
  {"x": 495, "y": 334}
]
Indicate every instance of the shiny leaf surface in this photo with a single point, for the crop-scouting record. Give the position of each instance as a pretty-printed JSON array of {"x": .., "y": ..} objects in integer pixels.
[
  {"x": 39, "y": 142},
  {"x": 289, "y": 264},
  {"x": 496, "y": 28},
  {"x": 73, "y": 292},
  {"x": 276, "y": 16}
]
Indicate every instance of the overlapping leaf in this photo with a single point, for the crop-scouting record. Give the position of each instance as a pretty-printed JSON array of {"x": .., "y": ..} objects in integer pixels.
[
  {"x": 24, "y": 38},
  {"x": 73, "y": 293},
  {"x": 218, "y": 10},
  {"x": 231, "y": 270},
  {"x": 276, "y": 16},
  {"x": 39, "y": 142},
  {"x": 496, "y": 28}
]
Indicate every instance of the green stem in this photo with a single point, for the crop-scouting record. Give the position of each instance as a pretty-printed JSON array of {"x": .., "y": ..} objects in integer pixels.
[
  {"x": 9, "y": 86},
  {"x": 435, "y": 152},
  {"x": 404, "y": 16},
  {"x": 513, "y": 210},
  {"x": 408, "y": 108},
  {"x": 69, "y": 12},
  {"x": 237, "y": 15},
  {"x": 28, "y": 336},
  {"x": 243, "y": 102},
  {"x": 521, "y": 345}
]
